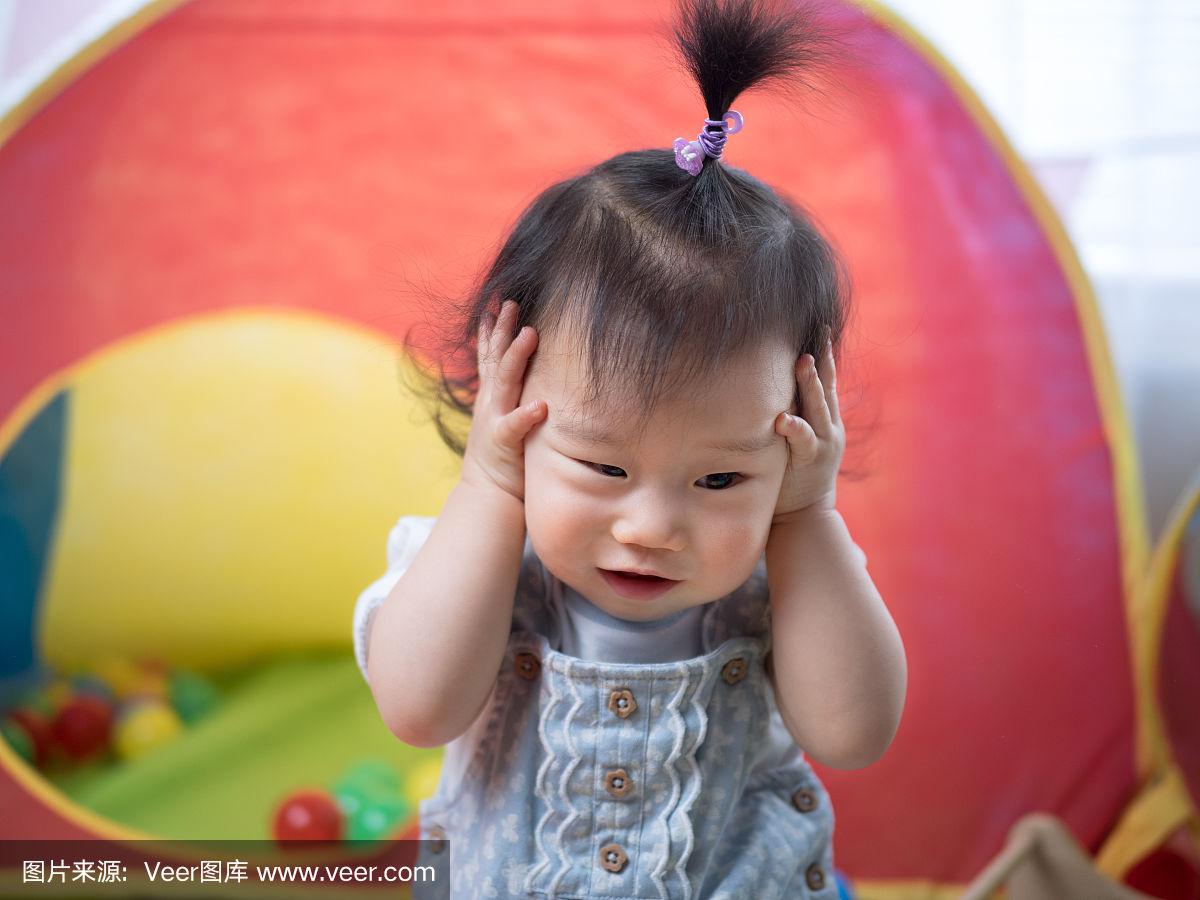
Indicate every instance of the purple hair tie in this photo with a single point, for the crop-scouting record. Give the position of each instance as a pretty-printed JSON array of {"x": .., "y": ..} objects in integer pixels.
[{"x": 689, "y": 155}]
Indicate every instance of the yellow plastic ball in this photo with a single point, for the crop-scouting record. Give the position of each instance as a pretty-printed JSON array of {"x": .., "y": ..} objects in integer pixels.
[
  {"x": 144, "y": 727},
  {"x": 422, "y": 780}
]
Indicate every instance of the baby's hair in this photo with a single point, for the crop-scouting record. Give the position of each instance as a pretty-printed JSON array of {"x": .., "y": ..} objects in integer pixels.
[{"x": 663, "y": 276}]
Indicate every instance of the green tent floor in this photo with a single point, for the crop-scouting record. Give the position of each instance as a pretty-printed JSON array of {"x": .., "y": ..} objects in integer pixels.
[{"x": 288, "y": 724}]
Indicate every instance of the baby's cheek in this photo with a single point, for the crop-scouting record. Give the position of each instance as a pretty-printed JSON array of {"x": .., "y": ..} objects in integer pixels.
[
  {"x": 737, "y": 544},
  {"x": 553, "y": 511}
]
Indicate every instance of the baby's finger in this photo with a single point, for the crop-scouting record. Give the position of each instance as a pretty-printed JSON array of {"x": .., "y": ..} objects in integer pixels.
[
  {"x": 828, "y": 374},
  {"x": 502, "y": 333},
  {"x": 510, "y": 375},
  {"x": 484, "y": 339},
  {"x": 512, "y": 428},
  {"x": 798, "y": 432},
  {"x": 812, "y": 393}
]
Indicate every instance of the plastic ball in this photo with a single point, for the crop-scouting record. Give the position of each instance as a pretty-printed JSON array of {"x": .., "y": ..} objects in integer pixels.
[
  {"x": 352, "y": 796},
  {"x": 155, "y": 667},
  {"x": 149, "y": 685},
  {"x": 192, "y": 695},
  {"x": 374, "y": 774},
  {"x": 145, "y": 726},
  {"x": 18, "y": 738},
  {"x": 82, "y": 726},
  {"x": 377, "y": 818},
  {"x": 310, "y": 815},
  {"x": 120, "y": 675},
  {"x": 422, "y": 780},
  {"x": 37, "y": 728}
]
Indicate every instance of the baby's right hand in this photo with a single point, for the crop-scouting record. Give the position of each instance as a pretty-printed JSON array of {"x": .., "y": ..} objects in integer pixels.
[{"x": 495, "y": 453}]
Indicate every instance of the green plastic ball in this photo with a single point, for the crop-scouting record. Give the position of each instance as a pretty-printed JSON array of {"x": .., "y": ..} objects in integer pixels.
[
  {"x": 352, "y": 796},
  {"x": 193, "y": 696},
  {"x": 376, "y": 819},
  {"x": 374, "y": 774}
]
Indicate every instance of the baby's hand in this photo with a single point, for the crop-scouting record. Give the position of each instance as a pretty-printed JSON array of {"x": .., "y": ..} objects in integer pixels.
[
  {"x": 495, "y": 453},
  {"x": 816, "y": 441}
]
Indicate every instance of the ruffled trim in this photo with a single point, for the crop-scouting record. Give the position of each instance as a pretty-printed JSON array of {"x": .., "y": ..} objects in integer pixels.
[
  {"x": 543, "y": 791},
  {"x": 563, "y": 788},
  {"x": 676, "y": 815}
]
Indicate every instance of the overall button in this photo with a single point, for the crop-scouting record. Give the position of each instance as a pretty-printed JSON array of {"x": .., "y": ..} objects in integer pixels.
[
  {"x": 621, "y": 703},
  {"x": 527, "y": 665},
  {"x": 437, "y": 839},
  {"x": 618, "y": 783},
  {"x": 814, "y": 877},
  {"x": 804, "y": 800},
  {"x": 734, "y": 670},
  {"x": 612, "y": 857}
]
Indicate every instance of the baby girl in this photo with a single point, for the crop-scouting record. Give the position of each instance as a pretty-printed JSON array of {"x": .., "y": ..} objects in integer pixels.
[{"x": 639, "y": 612}]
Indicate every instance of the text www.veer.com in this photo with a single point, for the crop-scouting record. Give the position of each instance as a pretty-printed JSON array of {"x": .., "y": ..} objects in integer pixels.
[{"x": 345, "y": 874}]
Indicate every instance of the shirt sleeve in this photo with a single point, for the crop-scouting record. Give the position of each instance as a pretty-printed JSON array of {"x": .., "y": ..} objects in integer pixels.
[{"x": 403, "y": 542}]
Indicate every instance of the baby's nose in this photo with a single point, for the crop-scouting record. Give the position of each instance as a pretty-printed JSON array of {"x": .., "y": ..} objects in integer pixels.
[{"x": 652, "y": 525}]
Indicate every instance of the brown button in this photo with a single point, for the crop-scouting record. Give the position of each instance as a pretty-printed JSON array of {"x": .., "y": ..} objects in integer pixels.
[
  {"x": 734, "y": 670},
  {"x": 612, "y": 857},
  {"x": 527, "y": 666},
  {"x": 814, "y": 877},
  {"x": 437, "y": 839},
  {"x": 804, "y": 800},
  {"x": 618, "y": 783},
  {"x": 621, "y": 702}
]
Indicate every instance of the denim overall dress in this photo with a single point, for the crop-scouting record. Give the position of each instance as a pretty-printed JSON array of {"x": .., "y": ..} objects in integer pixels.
[{"x": 624, "y": 781}]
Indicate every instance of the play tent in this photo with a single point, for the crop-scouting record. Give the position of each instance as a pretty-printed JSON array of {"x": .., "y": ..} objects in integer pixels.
[{"x": 217, "y": 222}]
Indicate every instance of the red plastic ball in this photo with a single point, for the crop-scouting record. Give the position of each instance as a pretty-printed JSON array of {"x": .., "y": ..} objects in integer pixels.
[
  {"x": 311, "y": 815},
  {"x": 82, "y": 726},
  {"x": 38, "y": 729}
]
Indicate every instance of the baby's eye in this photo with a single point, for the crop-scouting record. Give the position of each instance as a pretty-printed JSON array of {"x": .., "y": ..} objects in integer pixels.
[
  {"x": 598, "y": 466},
  {"x": 726, "y": 480}
]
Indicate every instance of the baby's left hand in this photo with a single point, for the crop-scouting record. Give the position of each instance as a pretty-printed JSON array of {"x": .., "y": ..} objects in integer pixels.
[{"x": 816, "y": 439}]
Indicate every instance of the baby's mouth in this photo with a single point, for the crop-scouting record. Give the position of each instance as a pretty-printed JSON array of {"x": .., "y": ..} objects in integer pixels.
[
  {"x": 637, "y": 587},
  {"x": 636, "y": 576}
]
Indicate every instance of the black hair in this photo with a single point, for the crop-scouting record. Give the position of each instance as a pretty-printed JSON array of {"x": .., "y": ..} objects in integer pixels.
[{"x": 664, "y": 276}]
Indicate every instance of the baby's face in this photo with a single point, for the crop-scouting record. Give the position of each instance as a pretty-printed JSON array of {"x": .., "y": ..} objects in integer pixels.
[{"x": 668, "y": 502}]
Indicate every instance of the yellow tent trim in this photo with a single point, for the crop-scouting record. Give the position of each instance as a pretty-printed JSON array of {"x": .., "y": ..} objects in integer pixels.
[
  {"x": 1155, "y": 813},
  {"x": 1150, "y": 613},
  {"x": 905, "y": 890},
  {"x": 1165, "y": 803}
]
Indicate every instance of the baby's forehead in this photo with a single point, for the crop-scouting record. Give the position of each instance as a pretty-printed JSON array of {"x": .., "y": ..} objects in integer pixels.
[
  {"x": 746, "y": 387},
  {"x": 622, "y": 413},
  {"x": 568, "y": 368},
  {"x": 709, "y": 428}
]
